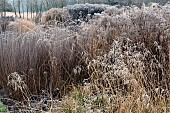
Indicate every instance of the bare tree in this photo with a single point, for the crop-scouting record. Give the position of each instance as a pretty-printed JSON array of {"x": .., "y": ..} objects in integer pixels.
[
  {"x": 14, "y": 7},
  {"x": 27, "y": 7},
  {"x": 22, "y": 2},
  {"x": 5, "y": 7},
  {"x": 19, "y": 7}
]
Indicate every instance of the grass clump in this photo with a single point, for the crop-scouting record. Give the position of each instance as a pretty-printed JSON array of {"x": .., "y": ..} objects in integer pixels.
[
  {"x": 53, "y": 15},
  {"x": 21, "y": 25}
]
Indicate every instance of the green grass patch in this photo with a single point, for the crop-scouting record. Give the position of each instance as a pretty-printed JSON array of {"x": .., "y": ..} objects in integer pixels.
[{"x": 3, "y": 108}]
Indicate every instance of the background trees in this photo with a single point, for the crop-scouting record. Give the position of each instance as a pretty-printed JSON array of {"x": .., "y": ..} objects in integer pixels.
[
  {"x": 37, "y": 6},
  {"x": 5, "y": 6}
]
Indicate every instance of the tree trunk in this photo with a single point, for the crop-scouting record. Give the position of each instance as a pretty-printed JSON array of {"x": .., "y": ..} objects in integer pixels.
[
  {"x": 22, "y": 9},
  {"x": 4, "y": 7},
  {"x": 19, "y": 8},
  {"x": 27, "y": 7}
]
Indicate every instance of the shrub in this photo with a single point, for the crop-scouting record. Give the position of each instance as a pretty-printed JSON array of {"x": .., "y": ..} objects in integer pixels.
[
  {"x": 140, "y": 26},
  {"x": 81, "y": 11}
]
